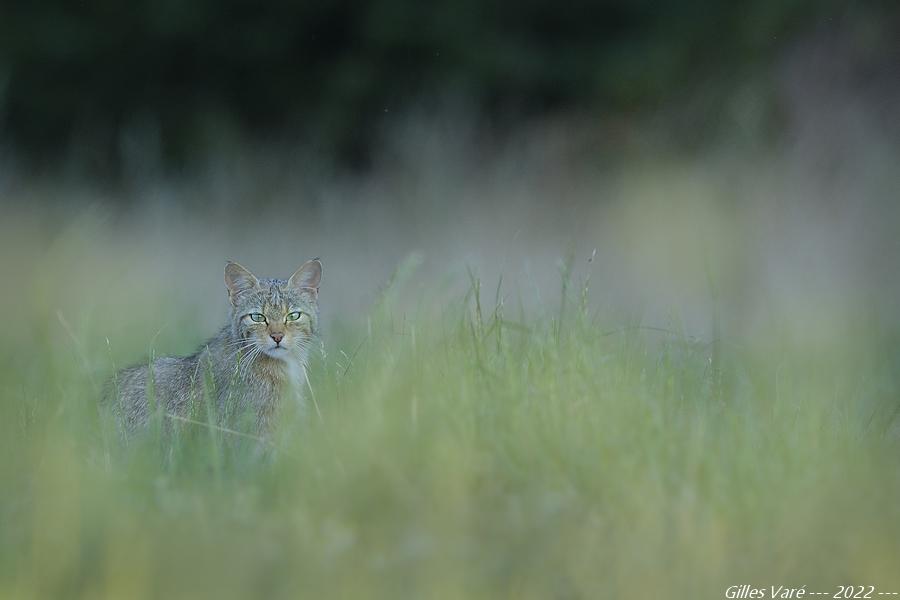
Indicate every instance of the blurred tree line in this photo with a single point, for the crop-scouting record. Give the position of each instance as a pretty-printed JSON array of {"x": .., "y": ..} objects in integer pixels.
[{"x": 91, "y": 73}]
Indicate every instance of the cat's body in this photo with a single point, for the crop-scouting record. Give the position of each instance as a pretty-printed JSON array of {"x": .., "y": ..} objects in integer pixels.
[{"x": 248, "y": 368}]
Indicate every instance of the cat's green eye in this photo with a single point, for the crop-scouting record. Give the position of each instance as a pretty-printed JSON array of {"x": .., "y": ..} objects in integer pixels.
[
  {"x": 257, "y": 318},
  {"x": 294, "y": 316}
]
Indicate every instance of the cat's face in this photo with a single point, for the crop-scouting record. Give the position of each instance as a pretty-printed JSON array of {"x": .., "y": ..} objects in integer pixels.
[{"x": 277, "y": 318}]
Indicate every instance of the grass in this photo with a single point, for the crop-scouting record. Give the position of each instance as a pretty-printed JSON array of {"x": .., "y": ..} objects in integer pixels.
[{"x": 466, "y": 449}]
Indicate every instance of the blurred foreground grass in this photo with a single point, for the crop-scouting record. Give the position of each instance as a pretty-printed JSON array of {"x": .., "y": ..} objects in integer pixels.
[{"x": 466, "y": 449}]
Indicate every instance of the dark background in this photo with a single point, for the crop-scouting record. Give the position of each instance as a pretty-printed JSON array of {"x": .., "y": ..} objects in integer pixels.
[{"x": 85, "y": 77}]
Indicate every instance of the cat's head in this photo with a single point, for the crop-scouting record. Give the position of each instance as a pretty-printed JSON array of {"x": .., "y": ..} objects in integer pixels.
[{"x": 278, "y": 318}]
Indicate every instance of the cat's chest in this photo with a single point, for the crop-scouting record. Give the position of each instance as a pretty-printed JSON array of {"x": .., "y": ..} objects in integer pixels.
[{"x": 266, "y": 386}]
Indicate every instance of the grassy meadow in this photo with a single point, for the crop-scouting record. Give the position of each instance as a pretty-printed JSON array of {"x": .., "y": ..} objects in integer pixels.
[{"x": 673, "y": 378}]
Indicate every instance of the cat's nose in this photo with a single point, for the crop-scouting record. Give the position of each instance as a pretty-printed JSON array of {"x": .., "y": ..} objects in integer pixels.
[{"x": 277, "y": 337}]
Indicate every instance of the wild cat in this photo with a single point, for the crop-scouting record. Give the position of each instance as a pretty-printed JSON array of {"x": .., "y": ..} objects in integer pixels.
[{"x": 258, "y": 357}]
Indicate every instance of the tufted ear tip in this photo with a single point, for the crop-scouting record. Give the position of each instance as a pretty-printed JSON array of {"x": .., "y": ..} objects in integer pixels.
[{"x": 308, "y": 276}]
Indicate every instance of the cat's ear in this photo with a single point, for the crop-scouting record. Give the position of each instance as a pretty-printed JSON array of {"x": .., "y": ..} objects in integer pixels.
[
  {"x": 307, "y": 276},
  {"x": 238, "y": 280}
]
